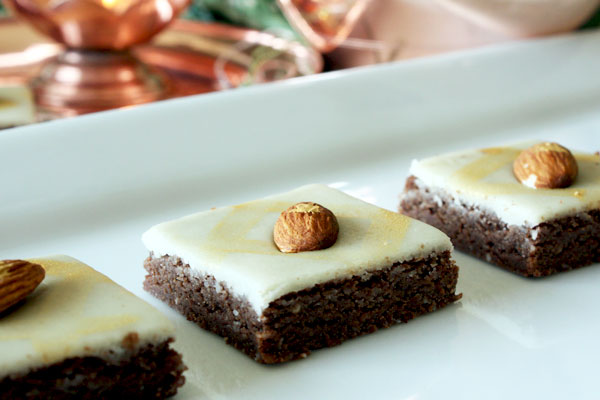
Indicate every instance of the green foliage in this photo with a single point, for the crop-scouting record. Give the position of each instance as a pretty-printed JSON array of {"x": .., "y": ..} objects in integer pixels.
[
  {"x": 593, "y": 22},
  {"x": 258, "y": 14},
  {"x": 198, "y": 11}
]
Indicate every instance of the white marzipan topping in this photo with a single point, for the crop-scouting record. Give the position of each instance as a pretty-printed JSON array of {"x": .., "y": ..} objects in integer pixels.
[
  {"x": 484, "y": 178},
  {"x": 75, "y": 312},
  {"x": 235, "y": 244}
]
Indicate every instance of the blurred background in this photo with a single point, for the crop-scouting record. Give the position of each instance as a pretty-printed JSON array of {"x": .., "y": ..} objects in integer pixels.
[{"x": 63, "y": 58}]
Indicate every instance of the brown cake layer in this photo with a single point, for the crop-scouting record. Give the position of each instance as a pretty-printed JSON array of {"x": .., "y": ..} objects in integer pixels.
[
  {"x": 550, "y": 247},
  {"x": 149, "y": 372},
  {"x": 324, "y": 315}
]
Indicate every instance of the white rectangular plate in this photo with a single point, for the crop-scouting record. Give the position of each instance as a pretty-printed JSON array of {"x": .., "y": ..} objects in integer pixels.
[{"x": 90, "y": 186}]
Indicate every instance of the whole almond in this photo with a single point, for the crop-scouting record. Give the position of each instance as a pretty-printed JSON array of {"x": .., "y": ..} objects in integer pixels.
[
  {"x": 546, "y": 165},
  {"x": 305, "y": 226},
  {"x": 18, "y": 278}
]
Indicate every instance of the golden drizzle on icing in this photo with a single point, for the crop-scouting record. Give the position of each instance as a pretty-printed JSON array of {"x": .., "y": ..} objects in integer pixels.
[
  {"x": 230, "y": 234},
  {"x": 6, "y": 103},
  {"x": 493, "y": 150},
  {"x": 66, "y": 289},
  {"x": 472, "y": 176}
]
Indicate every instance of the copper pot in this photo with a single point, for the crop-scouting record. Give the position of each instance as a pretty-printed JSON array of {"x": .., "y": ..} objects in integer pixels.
[
  {"x": 97, "y": 72},
  {"x": 98, "y": 24}
]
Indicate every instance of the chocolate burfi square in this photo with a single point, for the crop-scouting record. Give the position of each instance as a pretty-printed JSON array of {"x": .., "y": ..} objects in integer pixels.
[
  {"x": 81, "y": 336},
  {"x": 222, "y": 270},
  {"x": 476, "y": 199}
]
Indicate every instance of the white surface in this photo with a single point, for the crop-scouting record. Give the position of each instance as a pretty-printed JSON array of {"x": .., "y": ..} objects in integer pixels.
[
  {"x": 90, "y": 186},
  {"x": 485, "y": 179},
  {"x": 75, "y": 312},
  {"x": 235, "y": 244}
]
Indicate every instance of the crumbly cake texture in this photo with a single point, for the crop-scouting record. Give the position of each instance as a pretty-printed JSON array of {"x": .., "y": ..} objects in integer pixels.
[
  {"x": 474, "y": 198},
  {"x": 80, "y": 335},
  {"x": 221, "y": 269}
]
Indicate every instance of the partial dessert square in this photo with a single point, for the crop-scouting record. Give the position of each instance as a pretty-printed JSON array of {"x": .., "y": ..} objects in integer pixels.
[
  {"x": 222, "y": 270},
  {"x": 531, "y": 208},
  {"x": 79, "y": 335}
]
